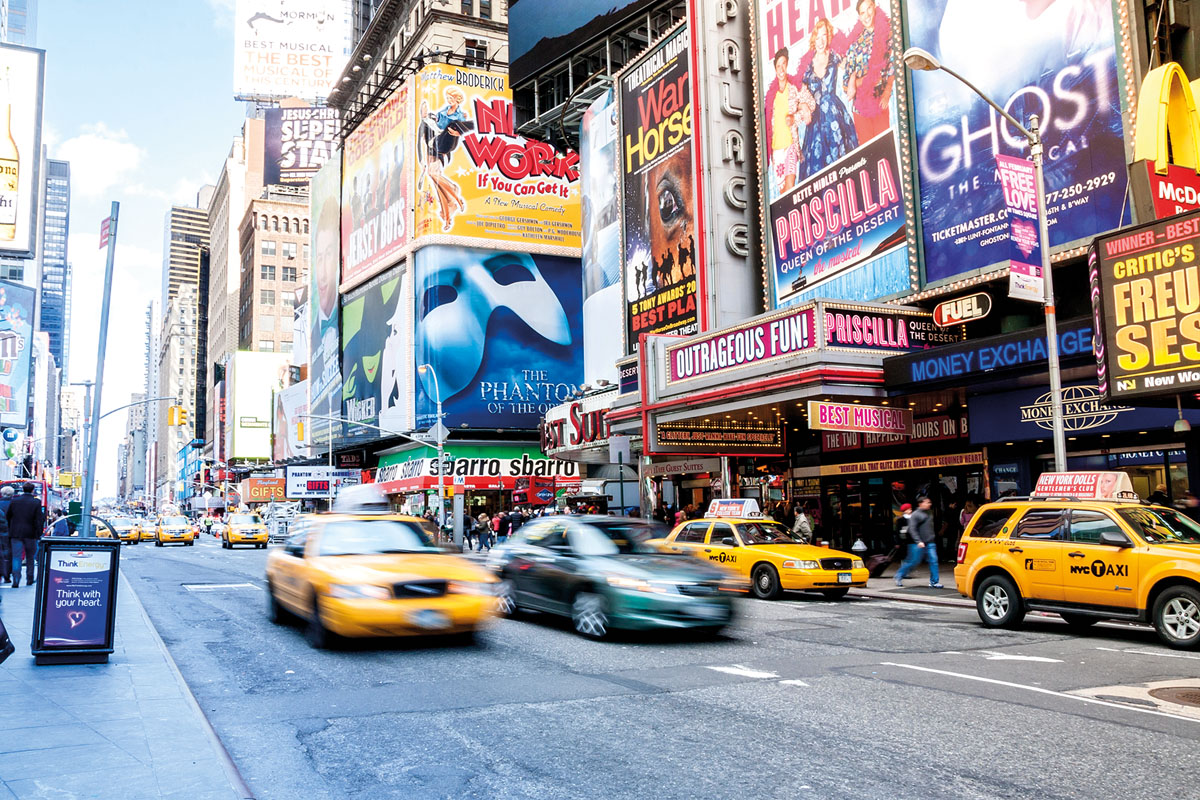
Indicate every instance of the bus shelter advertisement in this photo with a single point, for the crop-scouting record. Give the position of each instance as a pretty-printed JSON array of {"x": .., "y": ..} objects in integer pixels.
[
  {"x": 832, "y": 178},
  {"x": 1145, "y": 286},
  {"x": 1060, "y": 64},
  {"x": 77, "y": 598},
  {"x": 477, "y": 177},
  {"x": 376, "y": 198},
  {"x": 659, "y": 244}
]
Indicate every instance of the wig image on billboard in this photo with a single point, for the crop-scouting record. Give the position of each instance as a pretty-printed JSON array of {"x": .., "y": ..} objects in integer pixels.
[
  {"x": 324, "y": 371},
  {"x": 601, "y": 241},
  {"x": 659, "y": 243},
  {"x": 376, "y": 353},
  {"x": 1060, "y": 62},
  {"x": 476, "y": 176},
  {"x": 827, "y": 111},
  {"x": 298, "y": 142},
  {"x": 16, "y": 353},
  {"x": 376, "y": 189},
  {"x": 289, "y": 48},
  {"x": 502, "y": 332}
]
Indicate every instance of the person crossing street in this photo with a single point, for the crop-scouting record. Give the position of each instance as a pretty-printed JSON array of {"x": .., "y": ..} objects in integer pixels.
[{"x": 923, "y": 545}]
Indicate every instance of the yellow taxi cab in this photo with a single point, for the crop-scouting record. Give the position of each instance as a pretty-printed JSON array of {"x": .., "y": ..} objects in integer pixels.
[
  {"x": 363, "y": 571},
  {"x": 244, "y": 529},
  {"x": 174, "y": 528},
  {"x": 147, "y": 530},
  {"x": 735, "y": 534},
  {"x": 1085, "y": 547},
  {"x": 129, "y": 531}
]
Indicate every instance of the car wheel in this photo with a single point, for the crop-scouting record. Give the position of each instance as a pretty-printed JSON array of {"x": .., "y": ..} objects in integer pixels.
[
  {"x": 589, "y": 615},
  {"x": 999, "y": 603},
  {"x": 158, "y": 543},
  {"x": 1177, "y": 617},
  {"x": 275, "y": 610},
  {"x": 1079, "y": 621},
  {"x": 318, "y": 636},
  {"x": 764, "y": 582},
  {"x": 835, "y": 594},
  {"x": 506, "y": 598}
]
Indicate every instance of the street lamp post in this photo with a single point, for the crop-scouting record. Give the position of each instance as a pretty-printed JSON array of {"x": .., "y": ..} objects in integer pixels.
[
  {"x": 916, "y": 58},
  {"x": 438, "y": 428}
]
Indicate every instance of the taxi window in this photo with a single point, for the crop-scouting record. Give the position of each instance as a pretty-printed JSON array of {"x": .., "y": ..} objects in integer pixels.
[
  {"x": 692, "y": 532},
  {"x": 361, "y": 537},
  {"x": 1162, "y": 525},
  {"x": 720, "y": 530},
  {"x": 549, "y": 535},
  {"x": 1041, "y": 525},
  {"x": 1086, "y": 526},
  {"x": 990, "y": 521}
]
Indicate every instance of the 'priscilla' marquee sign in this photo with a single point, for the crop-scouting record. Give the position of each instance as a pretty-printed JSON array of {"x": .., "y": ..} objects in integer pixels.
[{"x": 856, "y": 417}]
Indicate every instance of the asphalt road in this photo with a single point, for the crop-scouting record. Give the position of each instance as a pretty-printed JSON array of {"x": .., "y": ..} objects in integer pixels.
[{"x": 804, "y": 698}]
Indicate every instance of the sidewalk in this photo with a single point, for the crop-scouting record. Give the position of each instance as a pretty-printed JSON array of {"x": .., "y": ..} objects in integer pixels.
[
  {"x": 126, "y": 730},
  {"x": 916, "y": 587}
]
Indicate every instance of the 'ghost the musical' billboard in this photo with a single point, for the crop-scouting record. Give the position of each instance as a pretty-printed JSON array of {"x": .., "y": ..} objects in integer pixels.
[
  {"x": 376, "y": 354},
  {"x": 502, "y": 332}
]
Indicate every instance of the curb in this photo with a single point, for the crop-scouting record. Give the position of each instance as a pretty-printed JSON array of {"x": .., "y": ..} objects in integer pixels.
[
  {"x": 948, "y": 602},
  {"x": 238, "y": 783}
]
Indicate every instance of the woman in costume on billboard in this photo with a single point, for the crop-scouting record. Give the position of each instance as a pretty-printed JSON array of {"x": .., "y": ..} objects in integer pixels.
[
  {"x": 829, "y": 128},
  {"x": 783, "y": 103},
  {"x": 867, "y": 69},
  {"x": 439, "y": 136}
]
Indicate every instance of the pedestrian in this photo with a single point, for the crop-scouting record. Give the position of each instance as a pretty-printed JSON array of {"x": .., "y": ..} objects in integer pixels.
[
  {"x": 923, "y": 546},
  {"x": 803, "y": 525},
  {"x": 483, "y": 527},
  {"x": 503, "y": 526},
  {"x": 1159, "y": 496},
  {"x": 1191, "y": 506},
  {"x": 26, "y": 519},
  {"x": 469, "y": 523},
  {"x": 6, "y": 495},
  {"x": 62, "y": 525}
]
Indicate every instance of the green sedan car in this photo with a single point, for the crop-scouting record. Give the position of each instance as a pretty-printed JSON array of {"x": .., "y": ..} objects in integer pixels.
[{"x": 600, "y": 572}]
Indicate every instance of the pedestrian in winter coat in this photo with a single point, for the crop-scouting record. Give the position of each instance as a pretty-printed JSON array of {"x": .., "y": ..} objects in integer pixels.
[
  {"x": 924, "y": 544},
  {"x": 6, "y": 495},
  {"x": 803, "y": 525},
  {"x": 26, "y": 519}
]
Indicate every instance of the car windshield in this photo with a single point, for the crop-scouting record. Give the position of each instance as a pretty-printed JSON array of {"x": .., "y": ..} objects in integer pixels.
[
  {"x": 245, "y": 519},
  {"x": 1162, "y": 525},
  {"x": 617, "y": 537},
  {"x": 369, "y": 537},
  {"x": 767, "y": 533},
  {"x": 175, "y": 521}
]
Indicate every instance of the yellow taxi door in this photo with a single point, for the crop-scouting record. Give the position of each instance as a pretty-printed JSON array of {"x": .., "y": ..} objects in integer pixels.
[
  {"x": 720, "y": 553},
  {"x": 690, "y": 539},
  {"x": 1034, "y": 553},
  {"x": 1099, "y": 574},
  {"x": 289, "y": 567}
]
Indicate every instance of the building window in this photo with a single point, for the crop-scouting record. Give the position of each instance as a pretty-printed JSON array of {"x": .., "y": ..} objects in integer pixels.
[
  {"x": 268, "y": 248},
  {"x": 305, "y": 252},
  {"x": 289, "y": 301},
  {"x": 295, "y": 225},
  {"x": 267, "y": 297},
  {"x": 485, "y": 9},
  {"x": 476, "y": 53},
  {"x": 468, "y": 7},
  {"x": 262, "y": 223},
  {"x": 267, "y": 272},
  {"x": 266, "y": 346},
  {"x": 289, "y": 249},
  {"x": 285, "y": 347},
  {"x": 286, "y": 227},
  {"x": 274, "y": 223},
  {"x": 306, "y": 228},
  {"x": 289, "y": 273}
]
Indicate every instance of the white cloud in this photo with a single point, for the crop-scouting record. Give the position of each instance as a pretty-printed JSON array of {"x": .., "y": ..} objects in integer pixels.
[
  {"x": 100, "y": 159},
  {"x": 224, "y": 11}
]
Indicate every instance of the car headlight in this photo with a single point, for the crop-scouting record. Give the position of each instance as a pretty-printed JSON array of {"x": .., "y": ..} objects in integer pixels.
[
  {"x": 801, "y": 565},
  {"x": 348, "y": 590},
  {"x": 857, "y": 564},
  {"x": 638, "y": 585},
  {"x": 484, "y": 588}
]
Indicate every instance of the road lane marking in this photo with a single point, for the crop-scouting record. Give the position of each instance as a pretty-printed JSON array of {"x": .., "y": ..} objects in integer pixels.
[
  {"x": 1149, "y": 653},
  {"x": 211, "y": 587},
  {"x": 992, "y": 655},
  {"x": 745, "y": 672},
  {"x": 793, "y": 682},
  {"x": 1040, "y": 690}
]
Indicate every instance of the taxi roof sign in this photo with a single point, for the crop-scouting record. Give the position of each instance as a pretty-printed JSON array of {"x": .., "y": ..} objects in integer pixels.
[
  {"x": 1086, "y": 486},
  {"x": 734, "y": 507}
]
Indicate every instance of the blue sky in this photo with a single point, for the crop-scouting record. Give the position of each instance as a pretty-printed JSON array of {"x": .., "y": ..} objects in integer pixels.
[{"x": 139, "y": 99}]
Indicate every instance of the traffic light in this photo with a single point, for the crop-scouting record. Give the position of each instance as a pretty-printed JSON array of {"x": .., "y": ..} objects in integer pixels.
[
  {"x": 182, "y": 415},
  {"x": 299, "y": 431},
  {"x": 173, "y": 415}
]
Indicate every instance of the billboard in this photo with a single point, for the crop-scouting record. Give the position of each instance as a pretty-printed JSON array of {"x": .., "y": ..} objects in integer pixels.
[
  {"x": 376, "y": 189},
  {"x": 291, "y": 405},
  {"x": 658, "y": 251},
  {"x": 541, "y": 32},
  {"x": 831, "y": 169},
  {"x": 601, "y": 240},
  {"x": 16, "y": 353},
  {"x": 502, "y": 331},
  {"x": 256, "y": 378},
  {"x": 308, "y": 483},
  {"x": 21, "y": 86},
  {"x": 477, "y": 177},
  {"x": 1145, "y": 287},
  {"x": 376, "y": 354},
  {"x": 324, "y": 366},
  {"x": 298, "y": 143},
  {"x": 1060, "y": 63},
  {"x": 289, "y": 48}
]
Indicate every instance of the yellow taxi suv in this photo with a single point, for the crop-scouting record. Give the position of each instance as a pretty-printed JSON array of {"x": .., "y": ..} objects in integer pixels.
[
  {"x": 174, "y": 530},
  {"x": 1086, "y": 560},
  {"x": 374, "y": 574},
  {"x": 244, "y": 529},
  {"x": 771, "y": 557}
]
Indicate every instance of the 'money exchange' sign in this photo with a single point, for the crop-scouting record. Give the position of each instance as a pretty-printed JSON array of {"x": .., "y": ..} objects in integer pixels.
[{"x": 1146, "y": 303}]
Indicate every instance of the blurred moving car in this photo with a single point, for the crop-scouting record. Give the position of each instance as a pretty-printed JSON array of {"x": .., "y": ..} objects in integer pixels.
[
  {"x": 363, "y": 571},
  {"x": 771, "y": 556},
  {"x": 177, "y": 528},
  {"x": 244, "y": 529},
  {"x": 601, "y": 572}
]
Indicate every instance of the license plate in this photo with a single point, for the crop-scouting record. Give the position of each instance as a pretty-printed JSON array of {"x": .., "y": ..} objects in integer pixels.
[
  {"x": 845, "y": 577},
  {"x": 709, "y": 612},
  {"x": 431, "y": 620}
]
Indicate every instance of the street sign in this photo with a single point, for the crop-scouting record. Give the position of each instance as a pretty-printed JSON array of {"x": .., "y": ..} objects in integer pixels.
[
  {"x": 439, "y": 432},
  {"x": 105, "y": 224}
]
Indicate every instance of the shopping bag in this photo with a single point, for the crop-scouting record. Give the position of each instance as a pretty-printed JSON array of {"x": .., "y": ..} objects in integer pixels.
[{"x": 6, "y": 645}]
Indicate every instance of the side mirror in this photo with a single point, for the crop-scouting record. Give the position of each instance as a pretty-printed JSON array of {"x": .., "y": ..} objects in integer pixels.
[
  {"x": 1115, "y": 539},
  {"x": 729, "y": 541}
]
